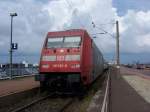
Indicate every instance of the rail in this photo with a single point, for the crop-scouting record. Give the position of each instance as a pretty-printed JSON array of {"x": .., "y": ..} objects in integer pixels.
[
  {"x": 105, "y": 104},
  {"x": 21, "y": 76},
  {"x": 30, "y": 104},
  {"x": 66, "y": 105}
]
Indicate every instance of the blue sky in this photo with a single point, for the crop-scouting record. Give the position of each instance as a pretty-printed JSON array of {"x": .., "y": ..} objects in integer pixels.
[
  {"x": 124, "y": 5},
  {"x": 35, "y": 19}
]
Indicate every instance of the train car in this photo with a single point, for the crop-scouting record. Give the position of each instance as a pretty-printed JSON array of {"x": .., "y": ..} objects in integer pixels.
[{"x": 70, "y": 60}]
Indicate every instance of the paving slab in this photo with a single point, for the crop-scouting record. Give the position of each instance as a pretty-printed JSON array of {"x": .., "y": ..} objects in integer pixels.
[
  {"x": 124, "y": 98},
  {"x": 17, "y": 85}
]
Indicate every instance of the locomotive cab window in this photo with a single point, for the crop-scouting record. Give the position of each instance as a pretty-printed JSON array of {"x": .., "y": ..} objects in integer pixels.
[
  {"x": 54, "y": 42},
  {"x": 66, "y": 42},
  {"x": 72, "y": 41}
]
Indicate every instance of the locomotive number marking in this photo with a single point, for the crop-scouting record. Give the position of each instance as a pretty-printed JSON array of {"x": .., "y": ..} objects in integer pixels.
[{"x": 60, "y": 65}]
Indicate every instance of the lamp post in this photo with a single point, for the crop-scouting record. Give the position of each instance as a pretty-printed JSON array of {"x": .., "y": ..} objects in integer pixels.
[{"x": 11, "y": 50}]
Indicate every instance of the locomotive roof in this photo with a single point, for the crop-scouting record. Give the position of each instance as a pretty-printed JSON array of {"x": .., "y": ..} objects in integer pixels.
[{"x": 70, "y": 32}]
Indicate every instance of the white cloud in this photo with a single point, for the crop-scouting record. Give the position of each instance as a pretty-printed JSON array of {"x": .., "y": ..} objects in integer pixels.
[
  {"x": 29, "y": 26},
  {"x": 135, "y": 32},
  {"x": 68, "y": 14},
  {"x": 145, "y": 40},
  {"x": 35, "y": 19}
]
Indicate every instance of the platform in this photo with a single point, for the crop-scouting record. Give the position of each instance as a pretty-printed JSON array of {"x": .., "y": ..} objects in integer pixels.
[
  {"x": 17, "y": 85},
  {"x": 124, "y": 98}
]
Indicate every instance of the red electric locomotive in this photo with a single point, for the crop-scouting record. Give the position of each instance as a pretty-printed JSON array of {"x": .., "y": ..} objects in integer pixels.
[{"x": 69, "y": 60}]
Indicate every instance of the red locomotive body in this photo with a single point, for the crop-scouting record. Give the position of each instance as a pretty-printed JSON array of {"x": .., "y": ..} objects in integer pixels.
[{"x": 69, "y": 59}]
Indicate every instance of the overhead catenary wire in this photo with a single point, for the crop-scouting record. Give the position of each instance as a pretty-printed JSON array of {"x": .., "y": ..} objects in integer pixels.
[
  {"x": 90, "y": 15},
  {"x": 109, "y": 23},
  {"x": 99, "y": 26},
  {"x": 100, "y": 33},
  {"x": 106, "y": 32}
]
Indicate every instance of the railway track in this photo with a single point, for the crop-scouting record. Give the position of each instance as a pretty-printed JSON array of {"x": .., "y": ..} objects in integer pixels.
[
  {"x": 30, "y": 104},
  {"x": 46, "y": 104},
  {"x": 42, "y": 102}
]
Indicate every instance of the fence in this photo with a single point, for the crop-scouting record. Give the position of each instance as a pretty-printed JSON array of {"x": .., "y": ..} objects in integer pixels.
[{"x": 18, "y": 72}]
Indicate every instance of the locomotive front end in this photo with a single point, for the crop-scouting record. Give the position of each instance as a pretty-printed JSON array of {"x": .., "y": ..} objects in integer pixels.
[
  {"x": 61, "y": 54},
  {"x": 60, "y": 64}
]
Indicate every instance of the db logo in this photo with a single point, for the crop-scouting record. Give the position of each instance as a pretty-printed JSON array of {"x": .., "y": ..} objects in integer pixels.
[{"x": 60, "y": 58}]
